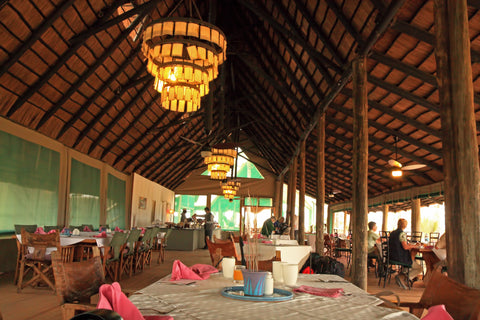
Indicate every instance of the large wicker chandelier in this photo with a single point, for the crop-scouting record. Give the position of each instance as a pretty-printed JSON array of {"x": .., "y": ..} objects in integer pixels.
[
  {"x": 219, "y": 162},
  {"x": 183, "y": 54},
  {"x": 230, "y": 188}
]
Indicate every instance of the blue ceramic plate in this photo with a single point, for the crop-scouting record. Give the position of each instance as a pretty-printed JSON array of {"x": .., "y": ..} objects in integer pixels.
[{"x": 237, "y": 293}]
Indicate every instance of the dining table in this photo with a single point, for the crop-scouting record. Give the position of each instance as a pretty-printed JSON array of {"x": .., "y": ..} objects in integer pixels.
[
  {"x": 430, "y": 259},
  {"x": 202, "y": 299}
]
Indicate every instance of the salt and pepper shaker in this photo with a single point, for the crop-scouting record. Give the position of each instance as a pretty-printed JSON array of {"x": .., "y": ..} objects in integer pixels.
[{"x": 268, "y": 290}]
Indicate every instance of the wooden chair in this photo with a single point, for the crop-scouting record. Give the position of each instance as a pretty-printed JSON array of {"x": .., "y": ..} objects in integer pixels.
[
  {"x": 34, "y": 255},
  {"x": 50, "y": 228},
  {"x": 461, "y": 302},
  {"x": 219, "y": 250},
  {"x": 163, "y": 245},
  {"x": 144, "y": 253},
  {"x": 76, "y": 282},
  {"x": 414, "y": 236},
  {"x": 433, "y": 238},
  {"x": 384, "y": 233},
  {"x": 387, "y": 264},
  {"x": 217, "y": 240},
  {"x": 127, "y": 261},
  {"x": 18, "y": 231},
  {"x": 112, "y": 254},
  {"x": 328, "y": 244}
]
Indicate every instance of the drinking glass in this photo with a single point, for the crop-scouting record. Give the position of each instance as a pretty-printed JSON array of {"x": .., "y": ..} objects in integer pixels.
[
  {"x": 228, "y": 265},
  {"x": 237, "y": 273},
  {"x": 290, "y": 274}
]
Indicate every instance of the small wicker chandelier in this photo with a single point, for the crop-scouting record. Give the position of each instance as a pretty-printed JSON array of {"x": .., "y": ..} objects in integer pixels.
[
  {"x": 219, "y": 162},
  {"x": 183, "y": 54},
  {"x": 230, "y": 188}
]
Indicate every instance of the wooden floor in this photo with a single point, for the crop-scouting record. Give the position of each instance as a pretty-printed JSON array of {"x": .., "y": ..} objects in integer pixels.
[{"x": 42, "y": 304}]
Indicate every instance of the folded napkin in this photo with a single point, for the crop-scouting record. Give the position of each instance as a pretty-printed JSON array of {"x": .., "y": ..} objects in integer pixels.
[
  {"x": 102, "y": 234},
  {"x": 52, "y": 231},
  {"x": 87, "y": 229},
  {"x": 323, "y": 292},
  {"x": 117, "y": 229},
  {"x": 267, "y": 241},
  {"x": 195, "y": 272},
  {"x": 112, "y": 298},
  {"x": 143, "y": 230},
  {"x": 437, "y": 313},
  {"x": 65, "y": 231},
  {"x": 40, "y": 231}
]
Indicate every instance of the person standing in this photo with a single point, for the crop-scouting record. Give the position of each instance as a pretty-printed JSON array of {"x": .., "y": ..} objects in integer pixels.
[
  {"x": 183, "y": 217},
  {"x": 209, "y": 225}
]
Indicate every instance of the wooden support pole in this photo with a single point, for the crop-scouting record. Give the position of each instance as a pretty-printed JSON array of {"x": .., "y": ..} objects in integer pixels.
[
  {"x": 359, "y": 217},
  {"x": 345, "y": 227},
  {"x": 460, "y": 145},
  {"x": 319, "y": 231},
  {"x": 386, "y": 207},
  {"x": 416, "y": 217},
  {"x": 292, "y": 183},
  {"x": 301, "y": 200},
  {"x": 278, "y": 200}
]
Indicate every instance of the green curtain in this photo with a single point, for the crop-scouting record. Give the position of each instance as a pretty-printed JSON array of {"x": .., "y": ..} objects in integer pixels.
[
  {"x": 29, "y": 176},
  {"x": 84, "y": 194},
  {"x": 116, "y": 202}
]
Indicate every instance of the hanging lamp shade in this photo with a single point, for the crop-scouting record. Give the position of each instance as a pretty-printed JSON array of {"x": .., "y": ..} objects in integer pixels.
[
  {"x": 219, "y": 162},
  {"x": 183, "y": 54},
  {"x": 230, "y": 188}
]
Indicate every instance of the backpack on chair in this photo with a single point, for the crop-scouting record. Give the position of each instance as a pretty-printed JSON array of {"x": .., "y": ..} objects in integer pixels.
[{"x": 323, "y": 265}]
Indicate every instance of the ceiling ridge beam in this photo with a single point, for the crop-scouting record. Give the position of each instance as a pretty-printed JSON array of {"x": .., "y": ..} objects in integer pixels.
[
  {"x": 36, "y": 35},
  {"x": 105, "y": 85},
  {"x": 44, "y": 78}
]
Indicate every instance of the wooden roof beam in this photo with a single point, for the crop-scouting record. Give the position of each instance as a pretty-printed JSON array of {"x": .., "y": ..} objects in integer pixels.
[
  {"x": 36, "y": 35},
  {"x": 290, "y": 34},
  {"x": 397, "y": 115},
  {"x": 403, "y": 93},
  {"x": 120, "y": 115},
  {"x": 88, "y": 72},
  {"x": 105, "y": 85},
  {"x": 130, "y": 126},
  {"x": 104, "y": 111},
  {"x": 425, "y": 36},
  {"x": 137, "y": 155},
  {"x": 348, "y": 26},
  {"x": 372, "y": 39},
  {"x": 53, "y": 69},
  {"x": 392, "y": 132}
]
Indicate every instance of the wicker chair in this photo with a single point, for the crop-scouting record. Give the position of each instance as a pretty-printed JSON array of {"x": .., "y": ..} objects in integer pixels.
[
  {"x": 76, "y": 282},
  {"x": 18, "y": 231}
]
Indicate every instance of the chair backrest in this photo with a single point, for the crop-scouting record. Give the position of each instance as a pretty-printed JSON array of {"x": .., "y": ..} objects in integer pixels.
[
  {"x": 384, "y": 250},
  {"x": 415, "y": 236},
  {"x": 40, "y": 243},
  {"x": 217, "y": 240},
  {"x": 461, "y": 302},
  {"x": 117, "y": 244},
  {"x": 50, "y": 228},
  {"x": 219, "y": 250},
  {"x": 28, "y": 227},
  {"x": 77, "y": 281},
  {"x": 384, "y": 233},
  {"x": 132, "y": 238},
  {"x": 90, "y": 226},
  {"x": 433, "y": 237}
]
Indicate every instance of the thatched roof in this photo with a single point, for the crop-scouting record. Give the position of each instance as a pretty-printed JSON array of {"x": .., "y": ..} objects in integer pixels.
[{"x": 73, "y": 71}]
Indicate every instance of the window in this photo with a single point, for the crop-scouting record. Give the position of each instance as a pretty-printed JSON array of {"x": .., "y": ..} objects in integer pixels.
[
  {"x": 193, "y": 204},
  {"x": 29, "y": 176},
  {"x": 116, "y": 202},
  {"x": 245, "y": 168},
  {"x": 84, "y": 194},
  {"x": 227, "y": 213}
]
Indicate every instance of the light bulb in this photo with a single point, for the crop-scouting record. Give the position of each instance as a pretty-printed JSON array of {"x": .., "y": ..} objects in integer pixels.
[{"x": 397, "y": 173}]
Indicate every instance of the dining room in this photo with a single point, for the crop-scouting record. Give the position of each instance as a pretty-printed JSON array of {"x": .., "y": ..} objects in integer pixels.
[{"x": 255, "y": 159}]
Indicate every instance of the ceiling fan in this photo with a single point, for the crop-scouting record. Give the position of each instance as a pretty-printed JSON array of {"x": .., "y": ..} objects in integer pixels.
[
  {"x": 398, "y": 168},
  {"x": 333, "y": 193}
]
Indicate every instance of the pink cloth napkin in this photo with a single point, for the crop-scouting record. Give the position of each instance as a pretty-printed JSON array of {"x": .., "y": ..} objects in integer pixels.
[
  {"x": 437, "y": 313},
  {"x": 102, "y": 234},
  {"x": 143, "y": 230},
  {"x": 195, "y": 272},
  {"x": 112, "y": 298},
  {"x": 323, "y": 292},
  {"x": 87, "y": 229},
  {"x": 117, "y": 229},
  {"x": 40, "y": 231},
  {"x": 52, "y": 231},
  {"x": 267, "y": 241}
]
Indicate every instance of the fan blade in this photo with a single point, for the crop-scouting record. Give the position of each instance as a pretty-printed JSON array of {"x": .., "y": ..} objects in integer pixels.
[
  {"x": 191, "y": 141},
  {"x": 413, "y": 167},
  {"x": 394, "y": 163}
]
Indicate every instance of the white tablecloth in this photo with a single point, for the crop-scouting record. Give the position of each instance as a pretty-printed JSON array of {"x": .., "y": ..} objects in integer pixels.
[
  {"x": 71, "y": 240},
  {"x": 280, "y": 236},
  {"x": 203, "y": 300}
]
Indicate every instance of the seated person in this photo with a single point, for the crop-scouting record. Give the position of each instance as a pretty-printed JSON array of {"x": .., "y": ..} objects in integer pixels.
[
  {"x": 280, "y": 226},
  {"x": 373, "y": 239},
  {"x": 268, "y": 227},
  {"x": 400, "y": 252}
]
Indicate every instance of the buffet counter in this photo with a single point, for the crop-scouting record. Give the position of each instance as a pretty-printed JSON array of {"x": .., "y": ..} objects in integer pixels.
[{"x": 187, "y": 239}]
